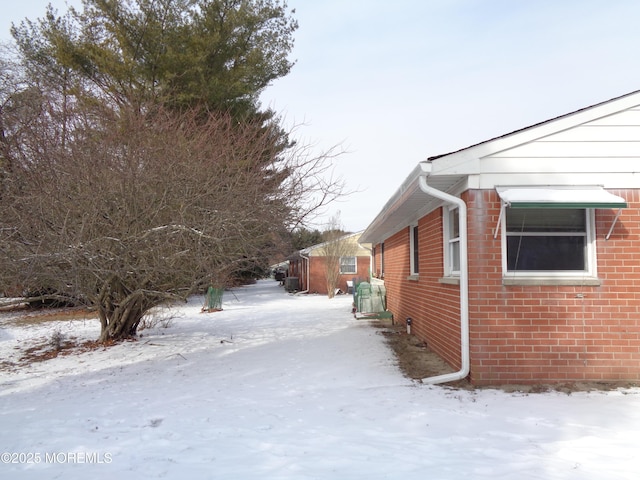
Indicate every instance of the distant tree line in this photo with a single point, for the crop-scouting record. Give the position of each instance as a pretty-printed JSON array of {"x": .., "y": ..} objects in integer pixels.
[{"x": 302, "y": 238}]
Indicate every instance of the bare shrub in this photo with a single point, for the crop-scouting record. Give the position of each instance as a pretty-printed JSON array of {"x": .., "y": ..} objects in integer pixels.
[{"x": 57, "y": 340}]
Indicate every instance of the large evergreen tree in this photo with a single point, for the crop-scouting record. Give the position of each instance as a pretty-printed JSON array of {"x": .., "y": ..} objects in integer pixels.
[{"x": 213, "y": 54}]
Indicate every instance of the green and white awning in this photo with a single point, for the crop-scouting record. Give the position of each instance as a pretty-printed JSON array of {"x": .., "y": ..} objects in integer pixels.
[{"x": 559, "y": 197}]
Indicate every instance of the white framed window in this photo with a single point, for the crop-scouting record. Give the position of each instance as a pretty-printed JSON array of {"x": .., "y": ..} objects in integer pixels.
[
  {"x": 348, "y": 265},
  {"x": 414, "y": 249},
  {"x": 451, "y": 227},
  {"x": 548, "y": 242}
]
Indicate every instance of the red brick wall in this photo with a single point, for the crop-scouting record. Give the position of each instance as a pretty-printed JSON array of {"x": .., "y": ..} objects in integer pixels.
[
  {"x": 318, "y": 275},
  {"x": 434, "y": 307},
  {"x": 298, "y": 268},
  {"x": 525, "y": 334},
  {"x": 536, "y": 334}
]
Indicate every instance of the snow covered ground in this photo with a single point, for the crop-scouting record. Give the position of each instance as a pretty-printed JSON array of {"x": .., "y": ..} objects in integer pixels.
[{"x": 277, "y": 386}]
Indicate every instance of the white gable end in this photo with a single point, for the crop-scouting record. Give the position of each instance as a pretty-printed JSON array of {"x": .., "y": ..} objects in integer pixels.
[
  {"x": 615, "y": 136},
  {"x": 603, "y": 151}
]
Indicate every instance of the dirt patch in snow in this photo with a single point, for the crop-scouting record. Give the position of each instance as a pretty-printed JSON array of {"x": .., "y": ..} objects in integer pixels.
[
  {"x": 66, "y": 346},
  {"x": 414, "y": 357},
  {"x": 42, "y": 349}
]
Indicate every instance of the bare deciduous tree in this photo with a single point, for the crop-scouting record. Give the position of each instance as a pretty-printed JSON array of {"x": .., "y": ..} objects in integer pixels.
[
  {"x": 137, "y": 209},
  {"x": 336, "y": 246}
]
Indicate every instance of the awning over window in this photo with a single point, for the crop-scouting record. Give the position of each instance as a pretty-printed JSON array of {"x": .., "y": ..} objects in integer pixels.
[{"x": 559, "y": 197}]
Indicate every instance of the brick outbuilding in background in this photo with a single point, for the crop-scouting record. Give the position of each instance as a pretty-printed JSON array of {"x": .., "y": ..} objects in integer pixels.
[{"x": 309, "y": 265}]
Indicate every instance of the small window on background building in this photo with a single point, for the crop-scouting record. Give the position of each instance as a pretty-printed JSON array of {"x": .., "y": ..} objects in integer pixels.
[
  {"x": 414, "y": 250},
  {"x": 348, "y": 265},
  {"x": 547, "y": 240},
  {"x": 452, "y": 242}
]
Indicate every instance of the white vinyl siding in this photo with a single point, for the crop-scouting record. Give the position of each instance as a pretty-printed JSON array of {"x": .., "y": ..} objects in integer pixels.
[
  {"x": 572, "y": 149},
  {"x": 598, "y": 152},
  {"x": 613, "y": 136}
]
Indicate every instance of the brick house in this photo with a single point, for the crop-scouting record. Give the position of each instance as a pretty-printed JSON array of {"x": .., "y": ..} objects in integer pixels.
[
  {"x": 310, "y": 264},
  {"x": 518, "y": 259}
]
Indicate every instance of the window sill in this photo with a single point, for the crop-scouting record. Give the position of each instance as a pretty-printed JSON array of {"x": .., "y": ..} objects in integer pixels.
[
  {"x": 413, "y": 278},
  {"x": 551, "y": 281},
  {"x": 449, "y": 280}
]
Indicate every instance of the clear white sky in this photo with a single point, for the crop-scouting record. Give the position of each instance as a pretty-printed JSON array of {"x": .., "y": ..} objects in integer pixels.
[{"x": 398, "y": 81}]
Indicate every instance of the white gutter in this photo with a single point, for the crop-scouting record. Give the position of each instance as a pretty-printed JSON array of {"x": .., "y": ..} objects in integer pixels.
[{"x": 464, "y": 277}]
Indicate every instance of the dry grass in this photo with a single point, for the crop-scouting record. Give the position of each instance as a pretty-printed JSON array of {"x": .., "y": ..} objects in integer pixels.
[{"x": 38, "y": 316}]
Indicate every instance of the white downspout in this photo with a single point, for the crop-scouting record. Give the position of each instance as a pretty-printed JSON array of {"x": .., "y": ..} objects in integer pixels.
[
  {"x": 370, "y": 250},
  {"x": 307, "y": 274},
  {"x": 464, "y": 278}
]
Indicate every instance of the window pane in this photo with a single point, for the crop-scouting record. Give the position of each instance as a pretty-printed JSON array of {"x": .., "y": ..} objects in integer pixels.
[
  {"x": 546, "y": 253},
  {"x": 454, "y": 223},
  {"x": 454, "y": 249},
  {"x": 347, "y": 264},
  {"x": 546, "y": 220}
]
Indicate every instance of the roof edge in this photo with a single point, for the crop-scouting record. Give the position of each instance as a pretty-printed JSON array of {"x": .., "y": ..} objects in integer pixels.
[{"x": 538, "y": 124}]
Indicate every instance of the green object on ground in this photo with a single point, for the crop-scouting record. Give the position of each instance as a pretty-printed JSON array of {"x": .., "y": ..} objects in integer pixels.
[
  {"x": 214, "y": 299},
  {"x": 370, "y": 301}
]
